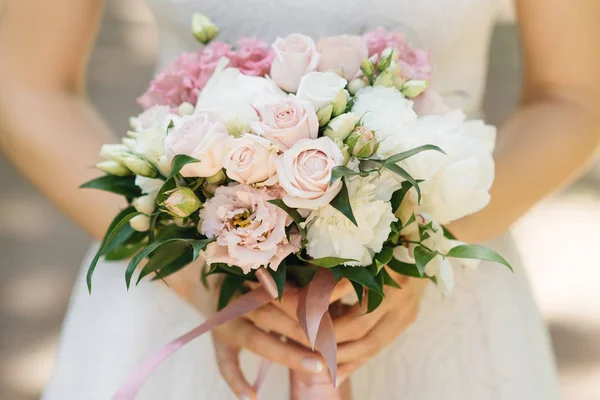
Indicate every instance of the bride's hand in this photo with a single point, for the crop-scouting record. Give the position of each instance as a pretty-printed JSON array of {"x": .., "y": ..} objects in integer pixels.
[
  {"x": 261, "y": 332},
  {"x": 360, "y": 337}
]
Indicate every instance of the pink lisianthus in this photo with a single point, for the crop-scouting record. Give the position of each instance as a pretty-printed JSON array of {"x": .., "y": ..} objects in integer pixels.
[
  {"x": 252, "y": 57},
  {"x": 414, "y": 63},
  {"x": 249, "y": 231}
]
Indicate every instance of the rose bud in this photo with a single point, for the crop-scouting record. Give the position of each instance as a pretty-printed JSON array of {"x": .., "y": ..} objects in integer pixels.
[
  {"x": 339, "y": 103},
  {"x": 203, "y": 29},
  {"x": 324, "y": 115},
  {"x": 413, "y": 88},
  {"x": 368, "y": 68},
  {"x": 182, "y": 202},
  {"x": 341, "y": 126},
  {"x": 113, "y": 151},
  {"x": 355, "y": 85},
  {"x": 113, "y": 168},
  {"x": 362, "y": 142},
  {"x": 140, "y": 223},
  {"x": 138, "y": 165},
  {"x": 217, "y": 178},
  {"x": 384, "y": 79},
  {"x": 186, "y": 108}
]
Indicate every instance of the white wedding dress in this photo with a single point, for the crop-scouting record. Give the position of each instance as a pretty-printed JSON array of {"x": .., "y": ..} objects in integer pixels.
[{"x": 486, "y": 341}]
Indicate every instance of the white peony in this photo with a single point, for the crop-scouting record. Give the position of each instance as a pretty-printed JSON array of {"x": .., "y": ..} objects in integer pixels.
[
  {"x": 151, "y": 127},
  {"x": 387, "y": 113},
  {"x": 331, "y": 234},
  {"x": 458, "y": 183},
  {"x": 235, "y": 97}
]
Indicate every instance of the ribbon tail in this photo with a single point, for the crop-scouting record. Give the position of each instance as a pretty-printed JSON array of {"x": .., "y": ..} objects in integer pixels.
[
  {"x": 327, "y": 345},
  {"x": 313, "y": 303},
  {"x": 243, "y": 305},
  {"x": 263, "y": 370}
]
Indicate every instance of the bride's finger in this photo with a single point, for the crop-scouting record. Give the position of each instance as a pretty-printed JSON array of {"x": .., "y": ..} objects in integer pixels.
[
  {"x": 229, "y": 366},
  {"x": 243, "y": 334},
  {"x": 273, "y": 319},
  {"x": 353, "y": 326}
]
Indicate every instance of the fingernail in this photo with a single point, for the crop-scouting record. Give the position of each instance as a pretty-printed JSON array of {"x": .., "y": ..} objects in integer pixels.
[
  {"x": 243, "y": 396},
  {"x": 312, "y": 364}
]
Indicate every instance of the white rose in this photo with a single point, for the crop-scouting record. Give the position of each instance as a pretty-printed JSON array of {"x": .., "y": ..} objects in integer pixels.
[
  {"x": 203, "y": 137},
  {"x": 235, "y": 97},
  {"x": 386, "y": 112},
  {"x": 320, "y": 88},
  {"x": 251, "y": 159},
  {"x": 331, "y": 234},
  {"x": 341, "y": 126},
  {"x": 304, "y": 172},
  {"x": 295, "y": 55},
  {"x": 457, "y": 183}
]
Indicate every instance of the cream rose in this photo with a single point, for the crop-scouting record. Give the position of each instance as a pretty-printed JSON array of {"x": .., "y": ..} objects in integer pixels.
[
  {"x": 343, "y": 53},
  {"x": 320, "y": 88},
  {"x": 304, "y": 172},
  {"x": 251, "y": 159},
  {"x": 295, "y": 55},
  {"x": 201, "y": 136},
  {"x": 288, "y": 121}
]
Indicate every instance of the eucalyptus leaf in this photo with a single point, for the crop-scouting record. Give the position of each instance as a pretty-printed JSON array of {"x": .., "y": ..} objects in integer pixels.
[
  {"x": 341, "y": 202},
  {"x": 477, "y": 252},
  {"x": 123, "y": 185},
  {"x": 423, "y": 257},
  {"x": 362, "y": 276}
]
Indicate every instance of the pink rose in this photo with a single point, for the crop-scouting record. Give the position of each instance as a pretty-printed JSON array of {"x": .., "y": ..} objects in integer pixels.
[
  {"x": 249, "y": 231},
  {"x": 203, "y": 137},
  {"x": 295, "y": 56},
  {"x": 304, "y": 172},
  {"x": 342, "y": 53},
  {"x": 252, "y": 57},
  {"x": 288, "y": 121},
  {"x": 251, "y": 159},
  {"x": 414, "y": 63}
]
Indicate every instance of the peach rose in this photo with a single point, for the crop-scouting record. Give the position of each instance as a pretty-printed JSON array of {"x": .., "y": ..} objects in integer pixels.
[
  {"x": 295, "y": 56},
  {"x": 304, "y": 172},
  {"x": 343, "y": 53},
  {"x": 251, "y": 159},
  {"x": 287, "y": 121}
]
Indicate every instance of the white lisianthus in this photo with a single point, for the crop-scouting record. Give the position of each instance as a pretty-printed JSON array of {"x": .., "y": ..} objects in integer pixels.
[
  {"x": 386, "y": 112},
  {"x": 322, "y": 89},
  {"x": 331, "y": 234},
  {"x": 456, "y": 183},
  {"x": 149, "y": 186},
  {"x": 341, "y": 126},
  {"x": 151, "y": 130},
  {"x": 235, "y": 97}
]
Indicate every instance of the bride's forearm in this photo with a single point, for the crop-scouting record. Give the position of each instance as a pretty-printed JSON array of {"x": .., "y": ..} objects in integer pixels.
[
  {"x": 54, "y": 138},
  {"x": 543, "y": 146}
]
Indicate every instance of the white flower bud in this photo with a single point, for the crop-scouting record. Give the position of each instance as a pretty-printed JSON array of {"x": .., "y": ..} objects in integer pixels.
[
  {"x": 339, "y": 103},
  {"x": 164, "y": 166},
  {"x": 413, "y": 88},
  {"x": 345, "y": 150},
  {"x": 145, "y": 204},
  {"x": 362, "y": 142},
  {"x": 203, "y": 28},
  {"x": 341, "y": 126},
  {"x": 186, "y": 108},
  {"x": 324, "y": 115},
  {"x": 182, "y": 202},
  {"x": 217, "y": 178},
  {"x": 368, "y": 68},
  {"x": 391, "y": 53},
  {"x": 138, "y": 165},
  {"x": 134, "y": 123},
  {"x": 129, "y": 142},
  {"x": 355, "y": 85},
  {"x": 113, "y": 151},
  {"x": 132, "y": 134},
  {"x": 113, "y": 168},
  {"x": 384, "y": 79},
  {"x": 140, "y": 223}
]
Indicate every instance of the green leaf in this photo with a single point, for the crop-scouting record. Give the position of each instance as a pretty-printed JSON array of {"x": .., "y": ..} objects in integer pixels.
[
  {"x": 476, "y": 252},
  {"x": 180, "y": 161},
  {"x": 230, "y": 286},
  {"x": 341, "y": 202},
  {"x": 402, "y": 173},
  {"x": 169, "y": 184},
  {"x": 121, "y": 220},
  {"x": 170, "y": 255},
  {"x": 279, "y": 277},
  {"x": 448, "y": 234},
  {"x": 399, "y": 195},
  {"x": 374, "y": 299},
  {"x": 124, "y": 252},
  {"x": 342, "y": 171},
  {"x": 359, "y": 289},
  {"x": 301, "y": 275},
  {"x": 404, "y": 268},
  {"x": 423, "y": 257},
  {"x": 383, "y": 257},
  {"x": 197, "y": 246},
  {"x": 327, "y": 262},
  {"x": 388, "y": 280},
  {"x": 221, "y": 268},
  {"x": 120, "y": 238},
  {"x": 396, "y": 158},
  {"x": 298, "y": 219},
  {"x": 177, "y": 264},
  {"x": 362, "y": 276},
  {"x": 123, "y": 185}
]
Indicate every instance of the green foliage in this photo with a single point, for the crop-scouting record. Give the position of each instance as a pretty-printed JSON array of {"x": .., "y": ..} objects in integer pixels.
[
  {"x": 476, "y": 252},
  {"x": 230, "y": 286},
  {"x": 293, "y": 213},
  {"x": 123, "y": 185},
  {"x": 341, "y": 202},
  {"x": 404, "y": 268},
  {"x": 396, "y": 158},
  {"x": 327, "y": 262},
  {"x": 362, "y": 276},
  {"x": 342, "y": 171},
  {"x": 422, "y": 257},
  {"x": 279, "y": 277},
  {"x": 383, "y": 257}
]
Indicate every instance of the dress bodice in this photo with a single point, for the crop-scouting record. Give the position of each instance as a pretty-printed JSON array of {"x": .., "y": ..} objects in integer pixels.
[{"x": 456, "y": 31}]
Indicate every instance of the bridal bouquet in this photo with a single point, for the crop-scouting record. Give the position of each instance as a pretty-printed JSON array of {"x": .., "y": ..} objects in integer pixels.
[{"x": 299, "y": 162}]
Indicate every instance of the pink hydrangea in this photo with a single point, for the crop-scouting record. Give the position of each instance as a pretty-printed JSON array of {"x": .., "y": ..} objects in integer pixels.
[
  {"x": 183, "y": 79},
  {"x": 414, "y": 63}
]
